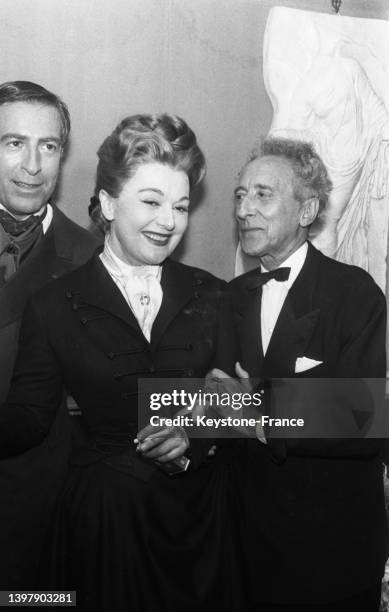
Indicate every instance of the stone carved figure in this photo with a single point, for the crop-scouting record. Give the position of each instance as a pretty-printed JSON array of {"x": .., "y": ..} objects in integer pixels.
[{"x": 327, "y": 86}]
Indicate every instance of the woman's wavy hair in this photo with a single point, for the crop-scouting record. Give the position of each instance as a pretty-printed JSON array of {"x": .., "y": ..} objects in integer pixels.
[{"x": 144, "y": 139}]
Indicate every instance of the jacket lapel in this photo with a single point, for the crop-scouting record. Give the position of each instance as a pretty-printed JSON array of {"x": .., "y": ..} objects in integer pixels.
[
  {"x": 37, "y": 270},
  {"x": 63, "y": 261},
  {"x": 103, "y": 293},
  {"x": 97, "y": 289},
  {"x": 178, "y": 289},
  {"x": 51, "y": 258},
  {"x": 248, "y": 322},
  {"x": 289, "y": 340}
]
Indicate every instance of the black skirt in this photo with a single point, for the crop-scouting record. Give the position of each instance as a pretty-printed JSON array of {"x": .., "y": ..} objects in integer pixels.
[{"x": 168, "y": 543}]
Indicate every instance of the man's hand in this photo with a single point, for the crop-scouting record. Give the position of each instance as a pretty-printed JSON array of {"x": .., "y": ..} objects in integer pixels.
[
  {"x": 219, "y": 382},
  {"x": 162, "y": 445}
]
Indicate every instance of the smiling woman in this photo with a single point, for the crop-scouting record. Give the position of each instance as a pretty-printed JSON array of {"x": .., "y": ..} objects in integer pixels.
[
  {"x": 150, "y": 216},
  {"x": 129, "y": 535},
  {"x": 147, "y": 168}
]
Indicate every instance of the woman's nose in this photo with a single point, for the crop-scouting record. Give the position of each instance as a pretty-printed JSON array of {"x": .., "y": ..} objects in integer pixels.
[{"x": 166, "y": 218}]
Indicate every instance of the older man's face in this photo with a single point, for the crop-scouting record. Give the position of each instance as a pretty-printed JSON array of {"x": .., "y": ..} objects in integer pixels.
[
  {"x": 267, "y": 212},
  {"x": 30, "y": 155}
]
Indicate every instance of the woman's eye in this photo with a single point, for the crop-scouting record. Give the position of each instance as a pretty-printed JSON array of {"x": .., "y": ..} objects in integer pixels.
[
  {"x": 151, "y": 202},
  {"x": 182, "y": 209}
]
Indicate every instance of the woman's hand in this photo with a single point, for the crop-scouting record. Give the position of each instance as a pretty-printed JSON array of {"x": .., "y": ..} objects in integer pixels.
[{"x": 162, "y": 445}]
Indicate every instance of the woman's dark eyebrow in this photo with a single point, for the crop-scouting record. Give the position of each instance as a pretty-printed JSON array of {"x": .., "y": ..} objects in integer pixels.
[
  {"x": 152, "y": 189},
  {"x": 161, "y": 193}
]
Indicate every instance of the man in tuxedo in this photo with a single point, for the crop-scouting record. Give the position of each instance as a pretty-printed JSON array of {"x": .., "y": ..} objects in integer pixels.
[
  {"x": 37, "y": 243},
  {"x": 307, "y": 324}
]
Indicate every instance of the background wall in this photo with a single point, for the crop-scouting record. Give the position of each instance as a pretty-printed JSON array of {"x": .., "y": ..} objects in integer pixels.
[{"x": 201, "y": 59}]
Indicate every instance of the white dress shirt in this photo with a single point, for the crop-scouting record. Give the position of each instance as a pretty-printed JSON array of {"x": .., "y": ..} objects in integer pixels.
[
  {"x": 140, "y": 286},
  {"x": 46, "y": 221},
  {"x": 274, "y": 294},
  {"x": 273, "y": 297}
]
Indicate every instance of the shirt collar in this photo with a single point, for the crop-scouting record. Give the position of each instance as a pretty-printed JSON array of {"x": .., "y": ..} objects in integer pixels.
[
  {"x": 295, "y": 262},
  {"x": 46, "y": 221},
  {"x": 123, "y": 270}
]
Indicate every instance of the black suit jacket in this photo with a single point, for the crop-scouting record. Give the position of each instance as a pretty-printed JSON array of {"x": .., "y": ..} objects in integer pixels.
[
  {"x": 29, "y": 483},
  {"x": 316, "y": 524},
  {"x": 64, "y": 247}
]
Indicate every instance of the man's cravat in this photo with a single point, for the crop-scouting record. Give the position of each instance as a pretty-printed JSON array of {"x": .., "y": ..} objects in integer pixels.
[
  {"x": 17, "y": 239},
  {"x": 15, "y": 227}
]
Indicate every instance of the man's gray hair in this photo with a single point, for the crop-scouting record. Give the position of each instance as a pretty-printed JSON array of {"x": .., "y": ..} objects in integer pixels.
[{"x": 311, "y": 175}]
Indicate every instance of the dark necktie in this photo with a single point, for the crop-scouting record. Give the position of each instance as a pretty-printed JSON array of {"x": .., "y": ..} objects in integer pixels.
[
  {"x": 260, "y": 279},
  {"x": 17, "y": 239},
  {"x": 15, "y": 227}
]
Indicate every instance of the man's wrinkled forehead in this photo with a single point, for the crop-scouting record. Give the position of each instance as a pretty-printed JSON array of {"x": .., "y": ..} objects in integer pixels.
[{"x": 268, "y": 171}]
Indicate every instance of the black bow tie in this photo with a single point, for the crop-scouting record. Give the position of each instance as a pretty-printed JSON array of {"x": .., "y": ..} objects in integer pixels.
[
  {"x": 279, "y": 274},
  {"x": 15, "y": 228}
]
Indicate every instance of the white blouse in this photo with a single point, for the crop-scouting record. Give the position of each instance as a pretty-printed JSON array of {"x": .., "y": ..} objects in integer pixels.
[{"x": 140, "y": 286}]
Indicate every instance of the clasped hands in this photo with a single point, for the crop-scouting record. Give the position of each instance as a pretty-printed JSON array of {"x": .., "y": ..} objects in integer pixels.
[
  {"x": 165, "y": 444},
  {"x": 219, "y": 382}
]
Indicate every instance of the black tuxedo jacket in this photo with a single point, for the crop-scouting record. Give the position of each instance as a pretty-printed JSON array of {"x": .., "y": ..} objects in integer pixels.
[
  {"x": 29, "y": 483},
  {"x": 316, "y": 524}
]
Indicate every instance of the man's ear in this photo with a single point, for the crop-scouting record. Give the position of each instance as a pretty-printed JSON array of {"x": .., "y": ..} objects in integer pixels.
[
  {"x": 309, "y": 211},
  {"x": 107, "y": 205}
]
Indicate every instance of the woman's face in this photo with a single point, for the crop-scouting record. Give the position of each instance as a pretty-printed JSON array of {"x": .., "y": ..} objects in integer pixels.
[{"x": 150, "y": 216}]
